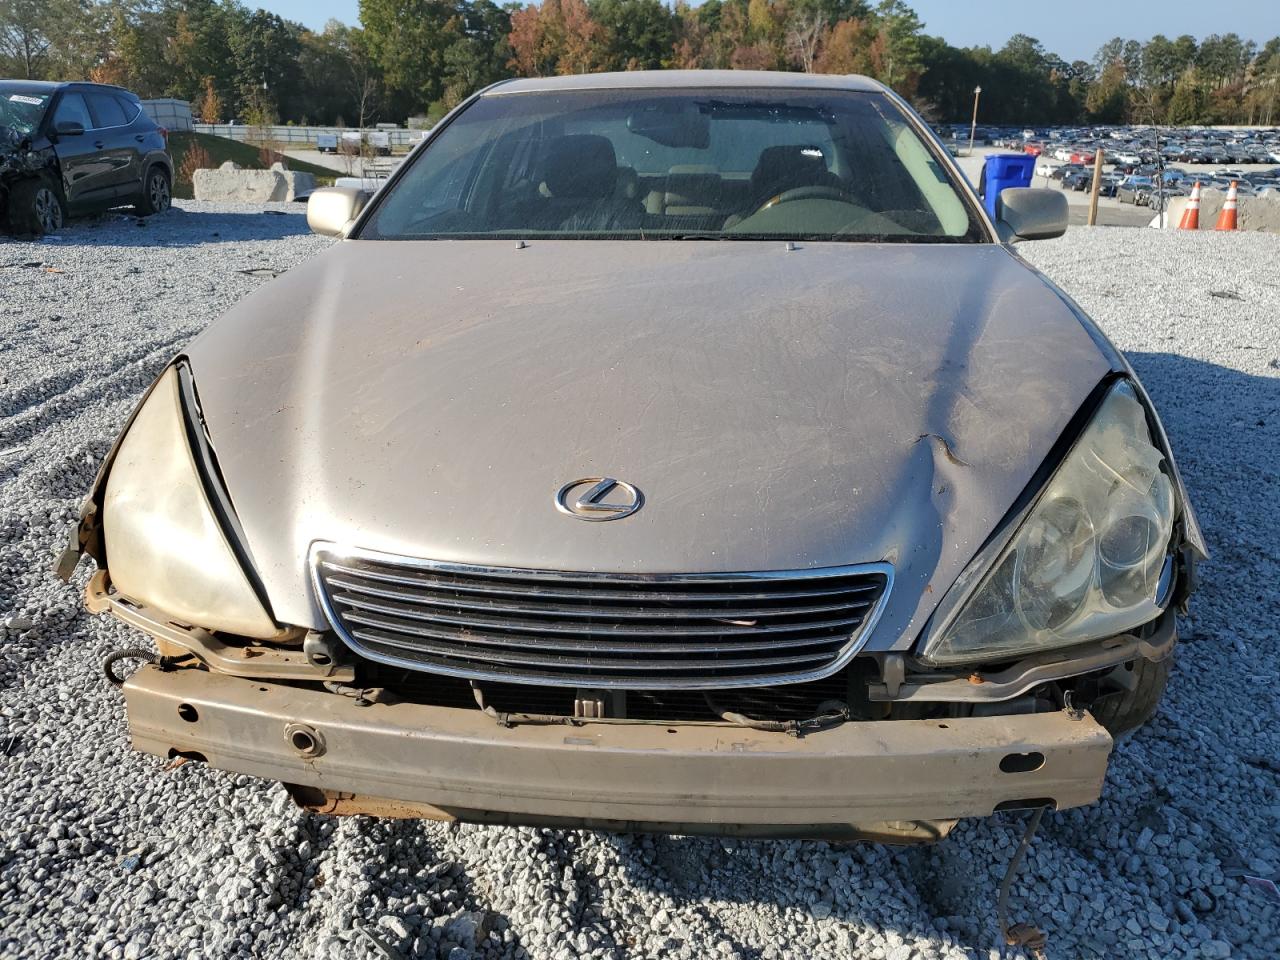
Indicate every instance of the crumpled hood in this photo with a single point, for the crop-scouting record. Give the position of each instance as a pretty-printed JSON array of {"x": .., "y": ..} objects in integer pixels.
[{"x": 836, "y": 404}]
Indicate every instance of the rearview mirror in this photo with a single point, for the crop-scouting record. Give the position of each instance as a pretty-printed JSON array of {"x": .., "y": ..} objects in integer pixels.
[
  {"x": 330, "y": 210},
  {"x": 1031, "y": 213},
  {"x": 681, "y": 126},
  {"x": 68, "y": 128}
]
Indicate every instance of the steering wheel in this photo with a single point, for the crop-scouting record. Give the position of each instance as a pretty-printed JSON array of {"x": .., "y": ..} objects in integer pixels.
[{"x": 806, "y": 193}]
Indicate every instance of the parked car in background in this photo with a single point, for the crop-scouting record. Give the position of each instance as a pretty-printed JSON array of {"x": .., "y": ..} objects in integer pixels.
[
  {"x": 1081, "y": 179},
  {"x": 71, "y": 148},
  {"x": 1132, "y": 188}
]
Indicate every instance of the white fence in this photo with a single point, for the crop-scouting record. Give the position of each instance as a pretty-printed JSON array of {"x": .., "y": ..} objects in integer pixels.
[{"x": 304, "y": 136}]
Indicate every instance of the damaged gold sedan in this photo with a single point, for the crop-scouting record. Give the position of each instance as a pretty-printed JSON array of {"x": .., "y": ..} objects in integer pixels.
[{"x": 678, "y": 451}]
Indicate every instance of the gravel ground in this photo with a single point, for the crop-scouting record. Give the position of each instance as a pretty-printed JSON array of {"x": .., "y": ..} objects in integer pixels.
[{"x": 104, "y": 852}]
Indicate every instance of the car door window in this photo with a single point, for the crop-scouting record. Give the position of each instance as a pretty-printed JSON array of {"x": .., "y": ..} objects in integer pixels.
[
  {"x": 72, "y": 109},
  {"x": 106, "y": 110}
]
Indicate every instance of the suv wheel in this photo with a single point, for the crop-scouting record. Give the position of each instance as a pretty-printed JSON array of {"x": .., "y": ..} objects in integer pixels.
[
  {"x": 157, "y": 196},
  {"x": 35, "y": 207}
]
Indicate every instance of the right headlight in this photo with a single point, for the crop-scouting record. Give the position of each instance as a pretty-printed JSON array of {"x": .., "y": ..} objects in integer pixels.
[{"x": 1091, "y": 558}]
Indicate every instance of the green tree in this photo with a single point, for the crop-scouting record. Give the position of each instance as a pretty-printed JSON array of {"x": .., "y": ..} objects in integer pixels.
[
  {"x": 407, "y": 40},
  {"x": 266, "y": 73},
  {"x": 42, "y": 39},
  {"x": 1159, "y": 62},
  {"x": 641, "y": 33},
  {"x": 1108, "y": 99},
  {"x": 1188, "y": 100},
  {"x": 897, "y": 54}
]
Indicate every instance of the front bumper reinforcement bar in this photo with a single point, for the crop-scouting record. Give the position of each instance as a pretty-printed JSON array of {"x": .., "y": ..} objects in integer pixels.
[{"x": 703, "y": 777}]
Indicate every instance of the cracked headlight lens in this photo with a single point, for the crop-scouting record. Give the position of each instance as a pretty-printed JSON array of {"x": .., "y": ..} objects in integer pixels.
[
  {"x": 165, "y": 547},
  {"x": 1090, "y": 557}
]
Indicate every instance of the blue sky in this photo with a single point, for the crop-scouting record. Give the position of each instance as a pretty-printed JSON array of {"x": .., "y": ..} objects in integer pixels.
[{"x": 1072, "y": 30}]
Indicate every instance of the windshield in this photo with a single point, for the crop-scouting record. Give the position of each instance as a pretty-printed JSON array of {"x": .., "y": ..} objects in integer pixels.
[
  {"x": 21, "y": 108},
  {"x": 685, "y": 164}
]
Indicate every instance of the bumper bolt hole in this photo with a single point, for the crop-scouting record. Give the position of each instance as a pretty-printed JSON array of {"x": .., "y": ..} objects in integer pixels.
[
  {"x": 305, "y": 739},
  {"x": 188, "y": 713},
  {"x": 302, "y": 741},
  {"x": 1022, "y": 762}
]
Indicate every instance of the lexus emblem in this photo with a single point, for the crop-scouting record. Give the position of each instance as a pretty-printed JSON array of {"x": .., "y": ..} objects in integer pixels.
[{"x": 598, "y": 498}]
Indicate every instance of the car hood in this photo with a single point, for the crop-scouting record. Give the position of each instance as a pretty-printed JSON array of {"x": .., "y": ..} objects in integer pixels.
[{"x": 779, "y": 409}]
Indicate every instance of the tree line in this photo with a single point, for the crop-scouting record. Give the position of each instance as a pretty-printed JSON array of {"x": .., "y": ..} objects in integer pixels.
[{"x": 421, "y": 57}]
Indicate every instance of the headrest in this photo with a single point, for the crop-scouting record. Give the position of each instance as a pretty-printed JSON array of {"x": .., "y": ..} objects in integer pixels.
[
  {"x": 798, "y": 164},
  {"x": 628, "y": 185},
  {"x": 580, "y": 165}
]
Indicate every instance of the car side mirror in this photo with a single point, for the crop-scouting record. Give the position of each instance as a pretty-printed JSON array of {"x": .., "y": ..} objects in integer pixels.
[
  {"x": 330, "y": 210},
  {"x": 1031, "y": 213},
  {"x": 69, "y": 128}
]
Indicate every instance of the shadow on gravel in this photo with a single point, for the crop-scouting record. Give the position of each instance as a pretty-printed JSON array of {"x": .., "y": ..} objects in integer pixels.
[
  {"x": 1216, "y": 413},
  {"x": 177, "y": 228},
  {"x": 439, "y": 895}
]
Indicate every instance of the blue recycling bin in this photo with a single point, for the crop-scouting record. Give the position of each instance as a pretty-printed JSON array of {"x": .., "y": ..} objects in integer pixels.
[{"x": 1004, "y": 170}]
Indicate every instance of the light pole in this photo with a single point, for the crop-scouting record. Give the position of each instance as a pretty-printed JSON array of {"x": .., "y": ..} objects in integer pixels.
[{"x": 973, "y": 127}]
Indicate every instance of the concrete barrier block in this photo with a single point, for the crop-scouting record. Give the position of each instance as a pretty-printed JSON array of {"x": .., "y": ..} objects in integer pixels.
[
  {"x": 296, "y": 184},
  {"x": 231, "y": 183}
]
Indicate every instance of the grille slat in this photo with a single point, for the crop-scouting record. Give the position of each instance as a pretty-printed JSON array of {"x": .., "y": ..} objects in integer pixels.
[
  {"x": 528, "y": 659},
  {"x": 590, "y": 609},
  {"x": 574, "y": 643},
  {"x": 638, "y": 591},
  {"x": 590, "y": 629}
]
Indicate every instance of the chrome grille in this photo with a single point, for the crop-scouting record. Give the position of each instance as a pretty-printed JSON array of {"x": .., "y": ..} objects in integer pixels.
[{"x": 606, "y": 630}]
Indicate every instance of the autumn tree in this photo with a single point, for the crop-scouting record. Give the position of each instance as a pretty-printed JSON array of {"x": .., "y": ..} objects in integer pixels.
[
  {"x": 209, "y": 106},
  {"x": 410, "y": 57},
  {"x": 847, "y": 49},
  {"x": 557, "y": 37}
]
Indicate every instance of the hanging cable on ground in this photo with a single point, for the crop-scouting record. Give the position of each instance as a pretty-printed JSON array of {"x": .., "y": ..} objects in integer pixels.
[
  {"x": 1020, "y": 934},
  {"x": 133, "y": 653}
]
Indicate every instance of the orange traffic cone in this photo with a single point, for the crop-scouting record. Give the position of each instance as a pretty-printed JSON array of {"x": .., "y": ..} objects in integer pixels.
[
  {"x": 1191, "y": 215},
  {"x": 1227, "y": 218}
]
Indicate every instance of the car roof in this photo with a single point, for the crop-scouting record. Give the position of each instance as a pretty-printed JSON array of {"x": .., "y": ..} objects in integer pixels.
[
  {"x": 688, "y": 79},
  {"x": 52, "y": 86}
]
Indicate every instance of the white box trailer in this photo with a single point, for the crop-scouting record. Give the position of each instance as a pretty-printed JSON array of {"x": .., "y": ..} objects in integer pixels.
[
  {"x": 173, "y": 115},
  {"x": 327, "y": 142}
]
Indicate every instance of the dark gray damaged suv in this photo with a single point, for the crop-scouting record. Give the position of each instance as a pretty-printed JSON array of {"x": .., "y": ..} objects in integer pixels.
[{"x": 69, "y": 148}]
